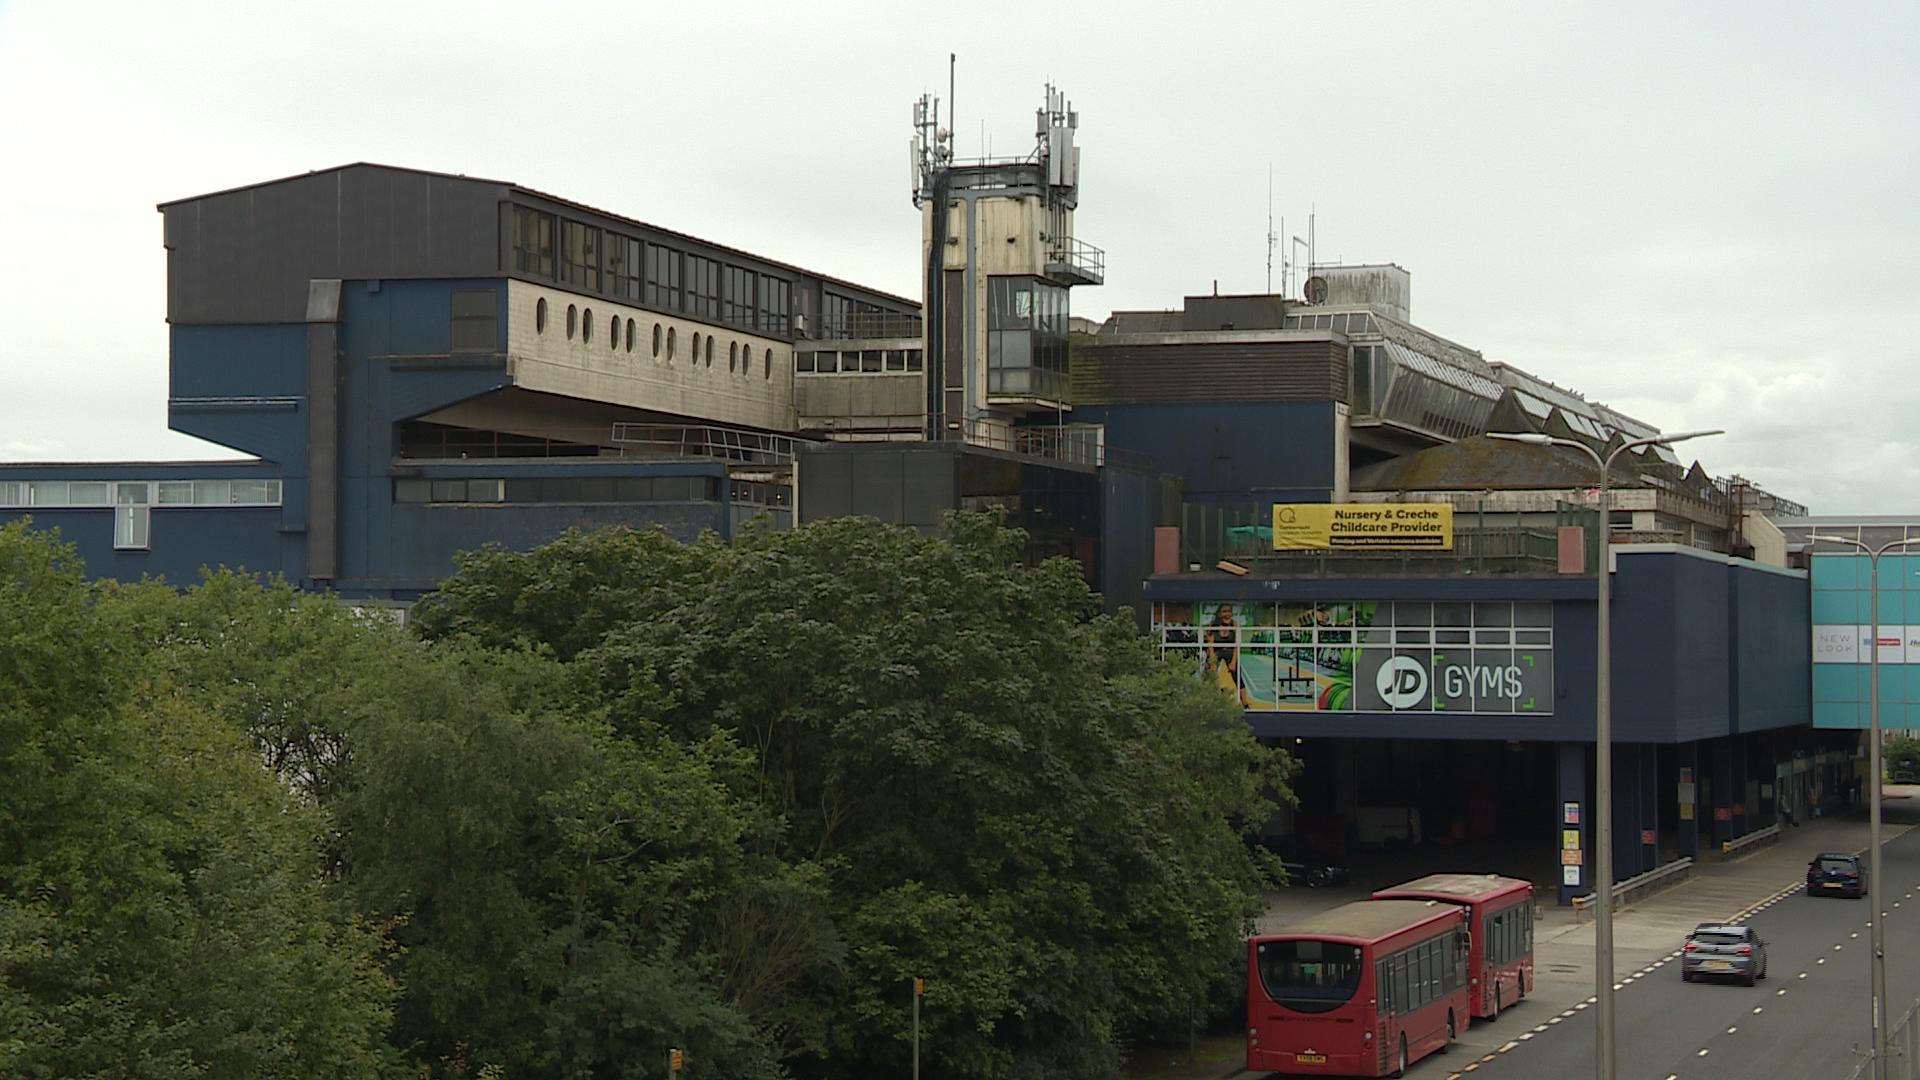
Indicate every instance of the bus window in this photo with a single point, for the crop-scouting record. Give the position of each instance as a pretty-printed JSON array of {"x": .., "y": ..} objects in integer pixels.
[{"x": 1309, "y": 976}]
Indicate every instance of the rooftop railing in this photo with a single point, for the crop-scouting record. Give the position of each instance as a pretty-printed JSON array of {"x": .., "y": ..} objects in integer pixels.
[
  {"x": 1081, "y": 260},
  {"x": 1482, "y": 544},
  {"x": 1070, "y": 444},
  {"x": 704, "y": 441},
  {"x": 870, "y": 325}
]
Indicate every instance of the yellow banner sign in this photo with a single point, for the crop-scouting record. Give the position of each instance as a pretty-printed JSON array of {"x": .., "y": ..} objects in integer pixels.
[{"x": 1350, "y": 526}]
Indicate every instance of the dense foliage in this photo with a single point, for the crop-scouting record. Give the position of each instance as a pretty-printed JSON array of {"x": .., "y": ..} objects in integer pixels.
[{"x": 609, "y": 797}]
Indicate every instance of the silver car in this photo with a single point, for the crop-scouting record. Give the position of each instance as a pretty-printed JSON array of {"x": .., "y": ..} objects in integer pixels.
[{"x": 1717, "y": 951}]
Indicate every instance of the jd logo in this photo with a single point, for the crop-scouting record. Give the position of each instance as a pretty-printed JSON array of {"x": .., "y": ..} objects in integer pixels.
[{"x": 1402, "y": 683}]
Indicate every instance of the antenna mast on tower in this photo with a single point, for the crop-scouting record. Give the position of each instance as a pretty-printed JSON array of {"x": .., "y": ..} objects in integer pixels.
[{"x": 1271, "y": 235}]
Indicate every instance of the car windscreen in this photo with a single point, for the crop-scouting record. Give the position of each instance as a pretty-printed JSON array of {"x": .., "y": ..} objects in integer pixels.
[
  {"x": 1718, "y": 938},
  {"x": 1835, "y": 863},
  {"x": 1309, "y": 976}
]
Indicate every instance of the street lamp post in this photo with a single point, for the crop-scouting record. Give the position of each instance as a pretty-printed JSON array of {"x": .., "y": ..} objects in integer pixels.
[
  {"x": 1878, "y": 932},
  {"x": 1602, "y": 735}
]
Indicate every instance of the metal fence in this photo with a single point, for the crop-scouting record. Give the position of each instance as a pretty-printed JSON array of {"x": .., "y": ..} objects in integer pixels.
[
  {"x": 869, "y": 326},
  {"x": 1243, "y": 535},
  {"x": 1090, "y": 261},
  {"x": 704, "y": 441},
  {"x": 1074, "y": 444},
  {"x": 1903, "y": 1048}
]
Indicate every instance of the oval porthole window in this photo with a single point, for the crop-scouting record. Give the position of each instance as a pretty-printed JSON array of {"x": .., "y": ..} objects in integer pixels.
[
  {"x": 656, "y": 341},
  {"x": 709, "y": 350},
  {"x": 573, "y": 320},
  {"x": 769, "y": 363},
  {"x": 613, "y": 333},
  {"x": 629, "y": 335},
  {"x": 733, "y": 355},
  {"x": 540, "y": 316},
  {"x": 586, "y": 326},
  {"x": 696, "y": 349},
  {"x": 669, "y": 344}
]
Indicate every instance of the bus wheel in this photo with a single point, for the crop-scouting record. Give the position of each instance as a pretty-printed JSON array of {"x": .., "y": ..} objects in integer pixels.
[
  {"x": 1496, "y": 1000},
  {"x": 1452, "y": 1034},
  {"x": 1402, "y": 1070},
  {"x": 1520, "y": 987}
]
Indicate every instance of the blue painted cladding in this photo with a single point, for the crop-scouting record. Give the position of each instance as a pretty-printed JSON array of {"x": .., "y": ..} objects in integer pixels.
[
  {"x": 182, "y": 541},
  {"x": 1672, "y": 649},
  {"x": 242, "y": 362},
  {"x": 1282, "y": 451},
  {"x": 420, "y": 540},
  {"x": 246, "y": 361},
  {"x": 1773, "y": 662},
  {"x": 1130, "y": 504}
]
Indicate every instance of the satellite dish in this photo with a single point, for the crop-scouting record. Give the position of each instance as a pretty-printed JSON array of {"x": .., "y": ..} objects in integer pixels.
[{"x": 1315, "y": 290}]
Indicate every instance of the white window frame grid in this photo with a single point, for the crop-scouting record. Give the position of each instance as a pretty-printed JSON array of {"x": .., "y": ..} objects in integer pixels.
[{"x": 39, "y": 494}]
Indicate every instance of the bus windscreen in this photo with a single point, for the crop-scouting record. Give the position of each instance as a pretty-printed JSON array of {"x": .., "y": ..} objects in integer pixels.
[{"x": 1309, "y": 976}]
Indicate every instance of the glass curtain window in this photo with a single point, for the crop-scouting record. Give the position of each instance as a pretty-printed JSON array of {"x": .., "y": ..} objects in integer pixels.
[
  {"x": 533, "y": 242},
  {"x": 580, "y": 255},
  {"x": 663, "y": 277}
]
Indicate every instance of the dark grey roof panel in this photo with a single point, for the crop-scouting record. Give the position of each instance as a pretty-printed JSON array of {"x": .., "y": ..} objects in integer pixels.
[{"x": 245, "y": 256}]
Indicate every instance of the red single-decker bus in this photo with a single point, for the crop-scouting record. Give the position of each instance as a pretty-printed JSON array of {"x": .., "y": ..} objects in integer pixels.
[
  {"x": 1500, "y": 913},
  {"x": 1361, "y": 990}
]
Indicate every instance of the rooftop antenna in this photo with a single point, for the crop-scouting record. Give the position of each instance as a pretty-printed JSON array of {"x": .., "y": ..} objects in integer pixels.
[
  {"x": 1271, "y": 235},
  {"x": 1312, "y": 212}
]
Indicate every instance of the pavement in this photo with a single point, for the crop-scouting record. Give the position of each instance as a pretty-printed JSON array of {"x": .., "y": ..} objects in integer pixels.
[{"x": 1646, "y": 935}]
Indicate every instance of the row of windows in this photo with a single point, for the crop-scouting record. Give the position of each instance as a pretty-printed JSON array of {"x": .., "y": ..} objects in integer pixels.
[
  {"x": 622, "y": 334},
  {"x": 843, "y": 316},
  {"x": 856, "y": 361},
  {"x": 102, "y": 493},
  {"x": 1422, "y": 974},
  {"x": 561, "y": 489},
  {"x": 1356, "y": 322},
  {"x": 1509, "y": 934},
  {"x": 592, "y": 259},
  {"x": 132, "y": 501}
]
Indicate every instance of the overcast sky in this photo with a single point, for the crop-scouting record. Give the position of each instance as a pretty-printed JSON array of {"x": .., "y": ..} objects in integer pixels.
[{"x": 1701, "y": 214}]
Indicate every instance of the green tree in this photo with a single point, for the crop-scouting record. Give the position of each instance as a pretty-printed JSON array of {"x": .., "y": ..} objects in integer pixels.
[
  {"x": 1016, "y": 798},
  {"x": 549, "y": 881},
  {"x": 546, "y": 883},
  {"x": 162, "y": 913}
]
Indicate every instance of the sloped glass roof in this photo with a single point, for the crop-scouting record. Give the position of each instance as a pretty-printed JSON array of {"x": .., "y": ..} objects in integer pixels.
[{"x": 1440, "y": 371}]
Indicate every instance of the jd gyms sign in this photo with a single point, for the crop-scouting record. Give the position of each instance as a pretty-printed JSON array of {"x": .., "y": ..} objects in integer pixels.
[{"x": 1356, "y": 526}]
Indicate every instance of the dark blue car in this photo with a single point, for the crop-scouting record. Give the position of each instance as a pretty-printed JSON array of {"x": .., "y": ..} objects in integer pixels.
[{"x": 1834, "y": 874}]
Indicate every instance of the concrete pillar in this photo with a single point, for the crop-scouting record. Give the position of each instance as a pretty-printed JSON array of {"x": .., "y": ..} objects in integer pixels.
[
  {"x": 1572, "y": 800},
  {"x": 1742, "y": 754},
  {"x": 1626, "y": 810},
  {"x": 1687, "y": 798},
  {"x": 1723, "y": 790},
  {"x": 1650, "y": 796}
]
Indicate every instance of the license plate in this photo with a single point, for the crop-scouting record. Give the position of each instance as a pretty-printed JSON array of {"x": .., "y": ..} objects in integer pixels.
[
  {"x": 1310, "y": 1059},
  {"x": 1835, "y": 885},
  {"x": 1717, "y": 965}
]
